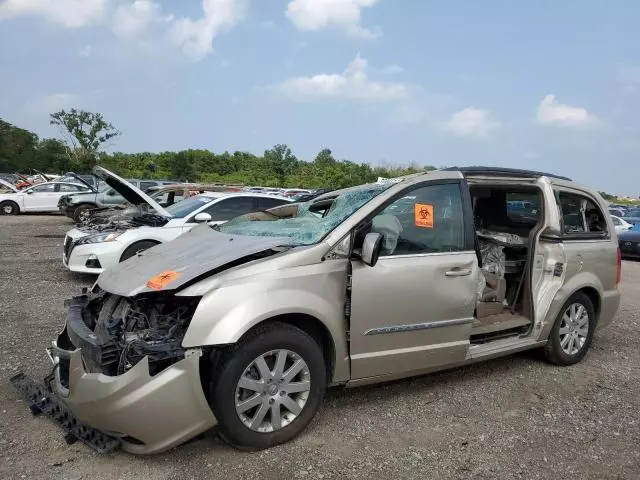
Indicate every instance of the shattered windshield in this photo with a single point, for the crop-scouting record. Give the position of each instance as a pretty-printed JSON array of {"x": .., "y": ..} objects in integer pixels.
[{"x": 311, "y": 222}]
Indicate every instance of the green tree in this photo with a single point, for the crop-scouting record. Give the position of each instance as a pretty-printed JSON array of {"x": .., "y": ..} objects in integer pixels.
[
  {"x": 281, "y": 161},
  {"x": 86, "y": 134},
  {"x": 607, "y": 196},
  {"x": 17, "y": 148}
]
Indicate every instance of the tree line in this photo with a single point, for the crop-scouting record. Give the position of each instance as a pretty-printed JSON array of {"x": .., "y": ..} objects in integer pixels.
[{"x": 85, "y": 135}]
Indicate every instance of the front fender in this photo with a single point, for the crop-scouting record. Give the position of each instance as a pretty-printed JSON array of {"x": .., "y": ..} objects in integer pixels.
[
  {"x": 230, "y": 327},
  {"x": 225, "y": 314}
]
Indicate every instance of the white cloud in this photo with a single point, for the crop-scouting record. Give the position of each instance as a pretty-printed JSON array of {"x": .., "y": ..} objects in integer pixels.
[
  {"x": 68, "y": 13},
  {"x": 312, "y": 15},
  {"x": 132, "y": 19},
  {"x": 471, "y": 122},
  {"x": 353, "y": 83},
  {"x": 85, "y": 51},
  {"x": 195, "y": 37},
  {"x": 128, "y": 19},
  {"x": 46, "y": 104},
  {"x": 554, "y": 113}
]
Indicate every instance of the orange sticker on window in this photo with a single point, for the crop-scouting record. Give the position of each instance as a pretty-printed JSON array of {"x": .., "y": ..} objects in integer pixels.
[
  {"x": 162, "y": 279},
  {"x": 423, "y": 215}
]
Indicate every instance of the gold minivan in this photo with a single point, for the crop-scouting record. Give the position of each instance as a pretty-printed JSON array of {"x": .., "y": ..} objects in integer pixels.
[{"x": 244, "y": 326}]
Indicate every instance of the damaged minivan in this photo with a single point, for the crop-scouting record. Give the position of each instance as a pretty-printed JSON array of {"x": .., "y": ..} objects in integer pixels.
[{"x": 243, "y": 326}]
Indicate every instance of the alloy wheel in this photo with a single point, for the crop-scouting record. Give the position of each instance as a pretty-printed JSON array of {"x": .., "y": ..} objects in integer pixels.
[
  {"x": 272, "y": 390},
  {"x": 574, "y": 328}
]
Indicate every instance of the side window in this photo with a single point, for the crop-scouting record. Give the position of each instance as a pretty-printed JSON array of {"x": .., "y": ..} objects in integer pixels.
[
  {"x": 67, "y": 187},
  {"x": 267, "y": 203},
  {"x": 230, "y": 208},
  {"x": 426, "y": 220},
  {"x": 616, "y": 221},
  {"x": 581, "y": 215},
  {"x": 46, "y": 188}
]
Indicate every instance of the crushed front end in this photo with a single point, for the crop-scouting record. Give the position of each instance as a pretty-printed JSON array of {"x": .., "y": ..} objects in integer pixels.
[{"x": 121, "y": 369}]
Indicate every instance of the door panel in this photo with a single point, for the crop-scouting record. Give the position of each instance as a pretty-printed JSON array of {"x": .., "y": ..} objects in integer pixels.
[
  {"x": 408, "y": 314},
  {"x": 41, "y": 198},
  {"x": 414, "y": 309}
]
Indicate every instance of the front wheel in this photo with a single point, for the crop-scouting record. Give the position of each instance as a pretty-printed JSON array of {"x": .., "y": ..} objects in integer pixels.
[
  {"x": 9, "y": 208},
  {"x": 82, "y": 213},
  {"x": 268, "y": 387},
  {"x": 572, "y": 332}
]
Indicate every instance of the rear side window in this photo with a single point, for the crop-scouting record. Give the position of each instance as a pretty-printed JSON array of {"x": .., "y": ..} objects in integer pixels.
[
  {"x": 581, "y": 216},
  {"x": 231, "y": 208},
  {"x": 67, "y": 187}
]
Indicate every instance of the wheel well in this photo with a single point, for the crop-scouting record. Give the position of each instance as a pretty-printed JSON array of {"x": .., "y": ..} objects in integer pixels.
[
  {"x": 85, "y": 204},
  {"x": 155, "y": 242},
  {"x": 11, "y": 201},
  {"x": 594, "y": 296},
  {"x": 317, "y": 330}
]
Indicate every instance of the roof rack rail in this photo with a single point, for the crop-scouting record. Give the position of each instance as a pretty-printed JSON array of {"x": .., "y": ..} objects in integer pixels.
[{"x": 503, "y": 170}]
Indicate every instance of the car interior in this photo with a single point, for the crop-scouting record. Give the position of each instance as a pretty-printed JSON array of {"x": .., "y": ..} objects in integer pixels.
[{"x": 504, "y": 219}]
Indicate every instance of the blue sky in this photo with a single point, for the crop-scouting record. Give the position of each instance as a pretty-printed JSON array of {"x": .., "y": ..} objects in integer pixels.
[{"x": 550, "y": 85}]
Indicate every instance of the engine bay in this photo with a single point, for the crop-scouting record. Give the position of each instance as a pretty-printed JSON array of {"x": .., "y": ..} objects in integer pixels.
[{"x": 115, "y": 333}]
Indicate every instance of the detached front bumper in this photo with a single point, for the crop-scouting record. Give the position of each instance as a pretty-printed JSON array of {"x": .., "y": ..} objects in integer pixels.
[{"x": 149, "y": 414}]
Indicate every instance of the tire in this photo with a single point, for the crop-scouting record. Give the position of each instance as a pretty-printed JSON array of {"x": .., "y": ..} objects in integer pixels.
[
  {"x": 559, "y": 349},
  {"x": 137, "y": 247},
  {"x": 239, "y": 361},
  {"x": 9, "y": 208},
  {"x": 80, "y": 211}
]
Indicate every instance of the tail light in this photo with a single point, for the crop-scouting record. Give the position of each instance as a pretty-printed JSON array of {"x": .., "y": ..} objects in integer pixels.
[{"x": 619, "y": 268}]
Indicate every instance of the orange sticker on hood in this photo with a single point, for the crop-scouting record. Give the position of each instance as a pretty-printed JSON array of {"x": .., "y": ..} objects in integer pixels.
[
  {"x": 423, "y": 213},
  {"x": 162, "y": 279}
]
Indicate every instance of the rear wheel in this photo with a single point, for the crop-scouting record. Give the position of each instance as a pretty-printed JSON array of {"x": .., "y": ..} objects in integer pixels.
[
  {"x": 9, "y": 208},
  {"x": 137, "y": 248},
  {"x": 572, "y": 332},
  {"x": 268, "y": 387}
]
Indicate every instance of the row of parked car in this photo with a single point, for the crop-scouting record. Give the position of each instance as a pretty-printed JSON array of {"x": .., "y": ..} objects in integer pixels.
[{"x": 259, "y": 303}]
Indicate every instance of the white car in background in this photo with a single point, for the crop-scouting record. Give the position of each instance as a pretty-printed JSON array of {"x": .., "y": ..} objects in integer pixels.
[
  {"x": 620, "y": 224},
  {"x": 42, "y": 197},
  {"x": 92, "y": 249}
]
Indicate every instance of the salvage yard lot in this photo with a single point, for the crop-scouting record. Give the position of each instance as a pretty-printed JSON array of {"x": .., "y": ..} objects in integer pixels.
[{"x": 515, "y": 417}]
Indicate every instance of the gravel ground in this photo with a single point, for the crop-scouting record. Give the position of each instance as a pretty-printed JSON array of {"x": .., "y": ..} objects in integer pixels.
[{"x": 515, "y": 417}]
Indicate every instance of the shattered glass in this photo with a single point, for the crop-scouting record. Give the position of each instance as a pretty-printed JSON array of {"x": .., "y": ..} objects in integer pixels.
[{"x": 307, "y": 227}]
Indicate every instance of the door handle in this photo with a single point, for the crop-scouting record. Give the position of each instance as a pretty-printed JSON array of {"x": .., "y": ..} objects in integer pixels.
[{"x": 458, "y": 272}]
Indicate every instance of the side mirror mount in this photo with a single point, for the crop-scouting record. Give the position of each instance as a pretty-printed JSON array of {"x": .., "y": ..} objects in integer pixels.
[
  {"x": 28, "y": 192},
  {"x": 371, "y": 247},
  {"x": 202, "y": 217}
]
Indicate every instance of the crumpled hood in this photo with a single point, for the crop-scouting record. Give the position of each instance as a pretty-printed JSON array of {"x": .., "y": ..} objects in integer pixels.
[{"x": 173, "y": 264}]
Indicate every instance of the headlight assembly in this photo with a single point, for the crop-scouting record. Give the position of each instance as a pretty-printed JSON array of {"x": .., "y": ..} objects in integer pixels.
[{"x": 99, "y": 238}]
